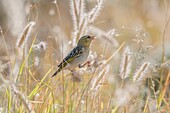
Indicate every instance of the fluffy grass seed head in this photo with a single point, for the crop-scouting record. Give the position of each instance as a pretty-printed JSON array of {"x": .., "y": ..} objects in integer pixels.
[
  {"x": 23, "y": 38},
  {"x": 103, "y": 34},
  {"x": 140, "y": 73},
  {"x": 123, "y": 96},
  {"x": 126, "y": 64},
  {"x": 42, "y": 46},
  {"x": 94, "y": 13},
  {"x": 2, "y": 66},
  {"x": 74, "y": 13}
]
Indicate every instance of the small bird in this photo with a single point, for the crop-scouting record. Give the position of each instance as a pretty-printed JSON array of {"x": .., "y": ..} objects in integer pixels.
[{"x": 77, "y": 56}]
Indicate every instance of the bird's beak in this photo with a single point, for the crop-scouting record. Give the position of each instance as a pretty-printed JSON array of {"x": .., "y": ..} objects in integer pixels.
[{"x": 93, "y": 37}]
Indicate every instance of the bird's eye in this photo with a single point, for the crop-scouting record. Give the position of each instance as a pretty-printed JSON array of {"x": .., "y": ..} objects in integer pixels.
[{"x": 88, "y": 36}]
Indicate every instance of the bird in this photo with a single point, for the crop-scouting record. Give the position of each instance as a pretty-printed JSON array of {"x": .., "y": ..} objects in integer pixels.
[{"x": 77, "y": 56}]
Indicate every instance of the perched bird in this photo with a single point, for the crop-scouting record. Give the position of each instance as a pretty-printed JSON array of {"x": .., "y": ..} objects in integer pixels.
[{"x": 77, "y": 56}]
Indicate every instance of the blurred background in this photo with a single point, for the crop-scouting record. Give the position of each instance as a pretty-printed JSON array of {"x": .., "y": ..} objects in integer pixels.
[{"x": 142, "y": 24}]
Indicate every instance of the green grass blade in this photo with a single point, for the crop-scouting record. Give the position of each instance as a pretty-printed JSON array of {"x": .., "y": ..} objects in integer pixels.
[
  {"x": 36, "y": 89},
  {"x": 24, "y": 62}
]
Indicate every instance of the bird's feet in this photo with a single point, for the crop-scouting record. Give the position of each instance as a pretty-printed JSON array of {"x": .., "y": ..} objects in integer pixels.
[{"x": 87, "y": 63}]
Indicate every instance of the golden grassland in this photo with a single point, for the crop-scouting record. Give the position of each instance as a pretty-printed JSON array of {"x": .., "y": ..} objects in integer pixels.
[{"x": 129, "y": 70}]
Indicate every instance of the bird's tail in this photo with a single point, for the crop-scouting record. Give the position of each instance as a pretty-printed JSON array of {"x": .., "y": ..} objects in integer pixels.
[{"x": 56, "y": 72}]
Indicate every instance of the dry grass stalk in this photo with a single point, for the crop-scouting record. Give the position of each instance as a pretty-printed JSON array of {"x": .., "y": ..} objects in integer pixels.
[
  {"x": 141, "y": 72},
  {"x": 74, "y": 13},
  {"x": 80, "y": 31},
  {"x": 23, "y": 99},
  {"x": 82, "y": 8},
  {"x": 77, "y": 12},
  {"x": 162, "y": 93},
  {"x": 25, "y": 35},
  {"x": 99, "y": 79},
  {"x": 120, "y": 47}
]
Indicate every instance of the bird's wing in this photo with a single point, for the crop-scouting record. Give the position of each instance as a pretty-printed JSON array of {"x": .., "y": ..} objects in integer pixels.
[{"x": 76, "y": 52}]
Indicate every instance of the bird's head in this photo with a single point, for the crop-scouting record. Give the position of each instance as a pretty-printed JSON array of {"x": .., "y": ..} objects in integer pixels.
[{"x": 86, "y": 40}]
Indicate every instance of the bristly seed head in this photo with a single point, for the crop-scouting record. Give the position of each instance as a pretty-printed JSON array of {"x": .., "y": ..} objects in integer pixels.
[
  {"x": 25, "y": 34},
  {"x": 126, "y": 64},
  {"x": 93, "y": 14},
  {"x": 139, "y": 75},
  {"x": 42, "y": 46}
]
